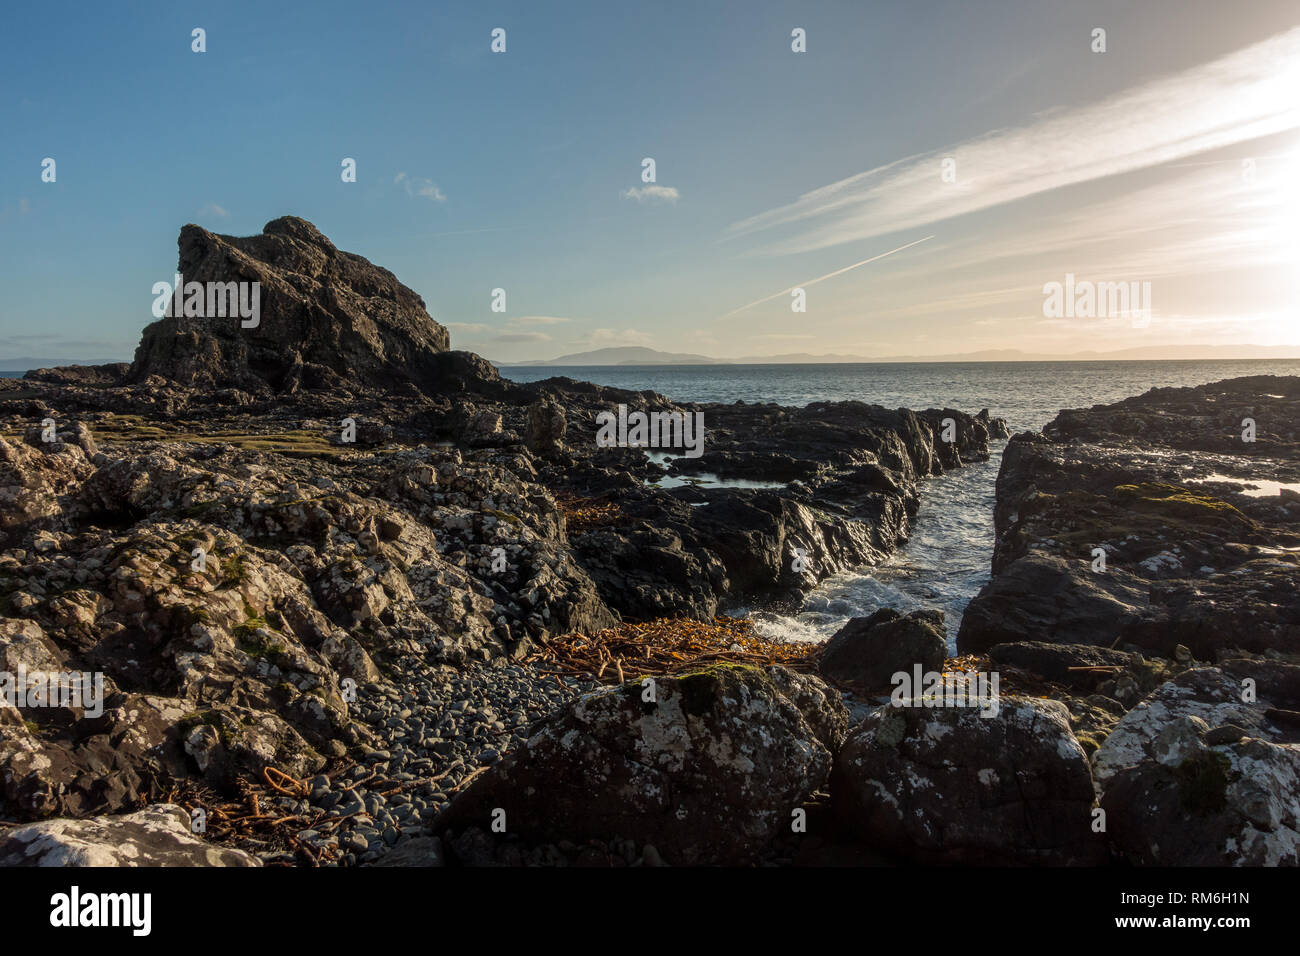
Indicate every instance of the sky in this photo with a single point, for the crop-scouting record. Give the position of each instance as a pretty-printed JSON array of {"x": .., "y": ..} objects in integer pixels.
[{"x": 1172, "y": 158}]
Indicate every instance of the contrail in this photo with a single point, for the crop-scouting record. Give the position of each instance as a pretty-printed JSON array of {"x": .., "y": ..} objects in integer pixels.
[
  {"x": 1220, "y": 162},
  {"x": 829, "y": 275}
]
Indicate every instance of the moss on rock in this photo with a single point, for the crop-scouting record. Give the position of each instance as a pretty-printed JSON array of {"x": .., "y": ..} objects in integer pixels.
[{"x": 1176, "y": 501}]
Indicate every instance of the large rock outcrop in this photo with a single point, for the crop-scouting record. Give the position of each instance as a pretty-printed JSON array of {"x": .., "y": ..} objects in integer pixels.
[
  {"x": 328, "y": 319},
  {"x": 1167, "y": 519},
  {"x": 323, "y": 536}
]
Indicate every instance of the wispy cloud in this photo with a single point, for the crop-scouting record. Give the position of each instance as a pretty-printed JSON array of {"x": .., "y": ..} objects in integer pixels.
[
  {"x": 508, "y": 337},
  {"x": 212, "y": 209},
  {"x": 515, "y": 331},
  {"x": 1245, "y": 95},
  {"x": 701, "y": 337},
  {"x": 419, "y": 186},
  {"x": 1206, "y": 220},
  {"x": 645, "y": 194},
  {"x": 539, "y": 320}
]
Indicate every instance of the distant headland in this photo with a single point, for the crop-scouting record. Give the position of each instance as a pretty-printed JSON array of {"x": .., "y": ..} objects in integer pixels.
[{"x": 640, "y": 355}]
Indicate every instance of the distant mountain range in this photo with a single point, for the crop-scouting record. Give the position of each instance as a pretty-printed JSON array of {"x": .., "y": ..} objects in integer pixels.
[
  {"x": 627, "y": 355},
  {"x": 639, "y": 355}
]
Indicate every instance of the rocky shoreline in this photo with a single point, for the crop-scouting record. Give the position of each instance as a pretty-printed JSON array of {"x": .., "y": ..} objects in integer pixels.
[
  {"x": 323, "y": 566},
  {"x": 1147, "y": 557}
]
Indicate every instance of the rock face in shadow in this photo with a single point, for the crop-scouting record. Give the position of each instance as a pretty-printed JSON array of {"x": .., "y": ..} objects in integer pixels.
[
  {"x": 328, "y": 318},
  {"x": 788, "y": 497},
  {"x": 1081, "y": 666},
  {"x": 1134, "y": 540},
  {"x": 949, "y": 785}
]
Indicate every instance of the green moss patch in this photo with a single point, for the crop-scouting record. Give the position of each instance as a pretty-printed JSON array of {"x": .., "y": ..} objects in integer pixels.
[
  {"x": 296, "y": 442},
  {"x": 1176, "y": 501},
  {"x": 701, "y": 690}
]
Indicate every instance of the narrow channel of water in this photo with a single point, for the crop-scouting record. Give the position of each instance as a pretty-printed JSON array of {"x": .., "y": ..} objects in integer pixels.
[
  {"x": 946, "y": 560},
  {"x": 943, "y": 564}
]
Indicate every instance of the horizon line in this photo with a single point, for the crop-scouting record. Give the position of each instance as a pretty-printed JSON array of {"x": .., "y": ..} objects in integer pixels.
[{"x": 1119, "y": 355}]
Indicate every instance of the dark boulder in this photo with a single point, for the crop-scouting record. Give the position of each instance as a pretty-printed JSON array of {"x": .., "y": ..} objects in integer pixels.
[
  {"x": 951, "y": 785},
  {"x": 870, "y": 650},
  {"x": 709, "y": 771},
  {"x": 1195, "y": 775},
  {"x": 1053, "y": 662},
  {"x": 1233, "y": 804},
  {"x": 546, "y": 423},
  {"x": 1046, "y": 597}
]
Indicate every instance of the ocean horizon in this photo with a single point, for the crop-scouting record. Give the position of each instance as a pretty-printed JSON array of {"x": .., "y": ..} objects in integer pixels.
[{"x": 1027, "y": 394}]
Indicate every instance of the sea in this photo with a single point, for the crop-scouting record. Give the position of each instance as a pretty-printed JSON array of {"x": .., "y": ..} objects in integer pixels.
[{"x": 946, "y": 559}]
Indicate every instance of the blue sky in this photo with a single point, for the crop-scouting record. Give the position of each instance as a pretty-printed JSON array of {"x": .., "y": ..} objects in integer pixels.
[{"x": 479, "y": 170}]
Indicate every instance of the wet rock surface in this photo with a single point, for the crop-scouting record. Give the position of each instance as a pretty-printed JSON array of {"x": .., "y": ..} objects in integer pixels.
[{"x": 1137, "y": 543}]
